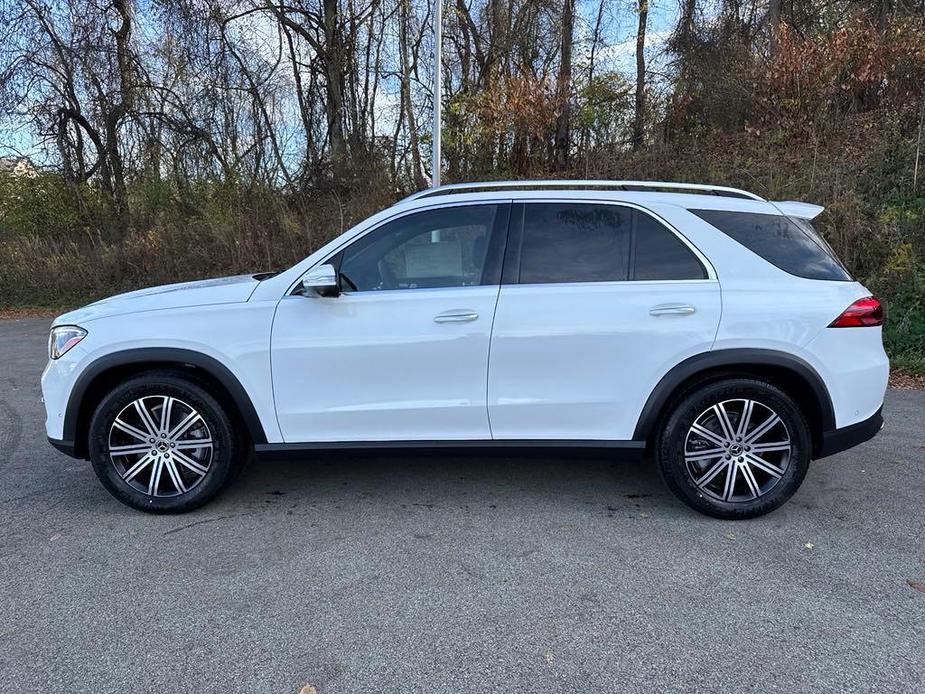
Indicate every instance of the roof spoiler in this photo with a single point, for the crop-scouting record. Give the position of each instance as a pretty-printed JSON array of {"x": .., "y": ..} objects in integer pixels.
[{"x": 801, "y": 210}]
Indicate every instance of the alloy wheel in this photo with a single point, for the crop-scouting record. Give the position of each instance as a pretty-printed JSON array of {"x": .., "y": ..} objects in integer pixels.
[
  {"x": 737, "y": 450},
  {"x": 160, "y": 446}
]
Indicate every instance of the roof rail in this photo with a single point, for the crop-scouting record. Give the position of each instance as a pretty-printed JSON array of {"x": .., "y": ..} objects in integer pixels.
[{"x": 620, "y": 185}]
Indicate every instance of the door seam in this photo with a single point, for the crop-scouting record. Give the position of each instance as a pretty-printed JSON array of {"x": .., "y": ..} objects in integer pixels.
[
  {"x": 494, "y": 313},
  {"x": 491, "y": 338}
]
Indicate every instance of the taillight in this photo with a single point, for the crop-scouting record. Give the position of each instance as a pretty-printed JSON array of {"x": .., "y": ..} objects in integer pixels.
[{"x": 862, "y": 313}]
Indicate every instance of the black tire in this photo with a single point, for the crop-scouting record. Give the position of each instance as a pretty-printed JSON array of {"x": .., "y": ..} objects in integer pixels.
[
  {"x": 713, "y": 497},
  {"x": 225, "y": 459}
]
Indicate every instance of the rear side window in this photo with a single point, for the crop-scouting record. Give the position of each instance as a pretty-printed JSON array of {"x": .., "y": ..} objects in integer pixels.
[
  {"x": 567, "y": 242},
  {"x": 793, "y": 247},
  {"x": 660, "y": 255}
]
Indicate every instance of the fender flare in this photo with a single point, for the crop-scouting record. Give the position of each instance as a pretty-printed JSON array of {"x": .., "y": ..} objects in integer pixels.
[
  {"x": 742, "y": 358},
  {"x": 161, "y": 355}
]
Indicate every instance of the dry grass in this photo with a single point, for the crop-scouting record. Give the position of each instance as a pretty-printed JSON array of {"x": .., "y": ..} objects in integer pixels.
[
  {"x": 247, "y": 233},
  {"x": 905, "y": 380},
  {"x": 27, "y": 312}
]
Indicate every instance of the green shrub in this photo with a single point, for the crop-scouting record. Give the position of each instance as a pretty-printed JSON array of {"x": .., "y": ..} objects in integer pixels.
[{"x": 904, "y": 330}]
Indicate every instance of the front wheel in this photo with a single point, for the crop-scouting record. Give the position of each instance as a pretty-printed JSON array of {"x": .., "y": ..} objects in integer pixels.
[
  {"x": 737, "y": 448},
  {"x": 163, "y": 444}
]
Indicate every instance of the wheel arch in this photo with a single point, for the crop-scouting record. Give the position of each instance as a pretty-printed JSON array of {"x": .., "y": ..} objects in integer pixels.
[
  {"x": 102, "y": 375},
  {"x": 792, "y": 374}
]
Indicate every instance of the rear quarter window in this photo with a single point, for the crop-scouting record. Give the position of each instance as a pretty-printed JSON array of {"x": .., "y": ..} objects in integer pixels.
[
  {"x": 794, "y": 248},
  {"x": 660, "y": 255}
]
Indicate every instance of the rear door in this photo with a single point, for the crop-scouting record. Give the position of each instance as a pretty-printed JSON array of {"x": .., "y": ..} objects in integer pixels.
[{"x": 598, "y": 301}]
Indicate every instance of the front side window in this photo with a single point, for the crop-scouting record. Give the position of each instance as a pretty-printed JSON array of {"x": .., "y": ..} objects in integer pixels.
[
  {"x": 449, "y": 247},
  {"x": 794, "y": 247},
  {"x": 569, "y": 242}
]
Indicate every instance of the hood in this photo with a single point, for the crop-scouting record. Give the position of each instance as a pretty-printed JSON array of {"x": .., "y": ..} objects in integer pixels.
[{"x": 221, "y": 290}]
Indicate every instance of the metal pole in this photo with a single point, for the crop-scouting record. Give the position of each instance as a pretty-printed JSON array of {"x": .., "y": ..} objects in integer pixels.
[{"x": 438, "y": 39}]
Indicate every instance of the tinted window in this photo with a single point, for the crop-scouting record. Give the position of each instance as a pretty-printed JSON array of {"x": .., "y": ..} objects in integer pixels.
[
  {"x": 794, "y": 248},
  {"x": 660, "y": 255},
  {"x": 434, "y": 248},
  {"x": 568, "y": 242}
]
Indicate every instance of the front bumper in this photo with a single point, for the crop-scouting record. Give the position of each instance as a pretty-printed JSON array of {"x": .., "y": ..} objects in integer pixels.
[
  {"x": 839, "y": 440},
  {"x": 66, "y": 447},
  {"x": 58, "y": 381}
]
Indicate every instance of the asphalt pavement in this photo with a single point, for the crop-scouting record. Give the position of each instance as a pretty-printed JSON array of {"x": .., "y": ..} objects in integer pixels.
[{"x": 450, "y": 573}]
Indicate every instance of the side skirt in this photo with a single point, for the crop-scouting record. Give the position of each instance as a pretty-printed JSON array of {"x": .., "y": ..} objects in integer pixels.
[{"x": 629, "y": 451}]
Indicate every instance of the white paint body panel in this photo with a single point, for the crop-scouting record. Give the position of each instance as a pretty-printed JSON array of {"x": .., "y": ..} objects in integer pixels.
[
  {"x": 564, "y": 361},
  {"x": 375, "y": 366},
  {"x": 219, "y": 290},
  {"x": 58, "y": 380},
  {"x": 578, "y": 361},
  {"x": 792, "y": 318},
  {"x": 855, "y": 369},
  {"x": 235, "y": 334}
]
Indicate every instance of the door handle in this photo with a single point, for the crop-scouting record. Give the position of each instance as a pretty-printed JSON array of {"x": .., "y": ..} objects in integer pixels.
[
  {"x": 456, "y": 315},
  {"x": 672, "y": 310}
]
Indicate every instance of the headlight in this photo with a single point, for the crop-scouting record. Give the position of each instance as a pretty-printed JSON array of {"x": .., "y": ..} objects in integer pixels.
[{"x": 62, "y": 338}]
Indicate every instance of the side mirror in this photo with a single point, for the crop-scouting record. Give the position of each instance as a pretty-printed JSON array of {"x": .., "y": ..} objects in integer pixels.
[{"x": 321, "y": 280}]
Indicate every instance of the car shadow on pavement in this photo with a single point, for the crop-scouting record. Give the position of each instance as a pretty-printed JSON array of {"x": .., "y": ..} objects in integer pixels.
[{"x": 444, "y": 478}]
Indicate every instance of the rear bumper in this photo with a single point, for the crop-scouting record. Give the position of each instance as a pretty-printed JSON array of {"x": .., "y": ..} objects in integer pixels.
[{"x": 839, "y": 440}]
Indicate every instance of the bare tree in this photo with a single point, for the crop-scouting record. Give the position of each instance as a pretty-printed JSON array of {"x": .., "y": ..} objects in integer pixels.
[
  {"x": 407, "y": 106},
  {"x": 566, "y": 41},
  {"x": 639, "y": 114}
]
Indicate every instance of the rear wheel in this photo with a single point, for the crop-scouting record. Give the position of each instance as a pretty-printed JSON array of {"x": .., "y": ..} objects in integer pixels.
[
  {"x": 163, "y": 444},
  {"x": 737, "y": 448}
]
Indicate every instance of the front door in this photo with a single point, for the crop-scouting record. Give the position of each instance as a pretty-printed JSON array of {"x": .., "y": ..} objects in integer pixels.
[{"x": 402, "y": 353}]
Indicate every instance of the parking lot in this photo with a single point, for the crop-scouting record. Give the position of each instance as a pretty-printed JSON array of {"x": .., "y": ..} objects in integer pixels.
[{"x": 449, "y": 573}]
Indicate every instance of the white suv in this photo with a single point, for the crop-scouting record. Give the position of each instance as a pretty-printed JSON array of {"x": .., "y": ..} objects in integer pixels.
[{"x": 703, "y": 324}]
